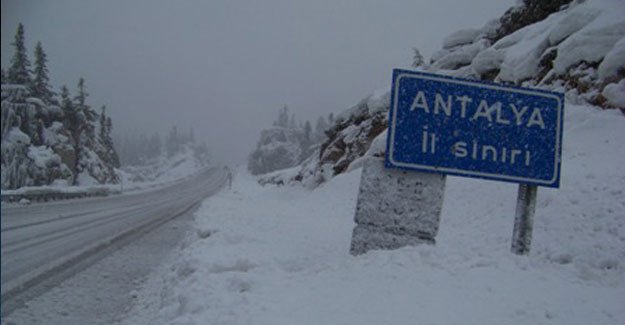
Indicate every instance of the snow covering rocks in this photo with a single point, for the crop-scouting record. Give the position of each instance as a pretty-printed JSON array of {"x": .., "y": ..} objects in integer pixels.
[
  {"x": 486, "y": 61},
  {"x": 347, "y": 140},
  {"x": 280, "y": 255},
  {"x": 613, "y": 62},
  {"x": 460, "y": 56},
  {"x": 38, "y": 149},
  {"x": 592, "y": 41},
  {"x": 28, "y": 165},
  {"x": 615, "y": 94},
  {"x": 578, "y": 46},
  {"x": 395, "y": 208},
  {"x": 461, "y": 37},
  {"x": 537, "y": 44}
]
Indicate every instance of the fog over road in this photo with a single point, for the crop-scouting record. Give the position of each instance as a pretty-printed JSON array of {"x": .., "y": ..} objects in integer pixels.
[{"x": 41, "y": 241}]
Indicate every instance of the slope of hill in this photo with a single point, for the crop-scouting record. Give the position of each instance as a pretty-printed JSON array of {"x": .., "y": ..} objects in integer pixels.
[
  {"x": 41, "y": 146},
  {"x": 578, "y": 49},
  {"x": 280, "y": 255}
]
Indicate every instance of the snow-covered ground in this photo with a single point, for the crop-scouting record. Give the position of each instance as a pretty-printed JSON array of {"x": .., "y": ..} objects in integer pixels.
[
  {"x": 279, "y": 255},
  {"x": 163, "y": 171}
]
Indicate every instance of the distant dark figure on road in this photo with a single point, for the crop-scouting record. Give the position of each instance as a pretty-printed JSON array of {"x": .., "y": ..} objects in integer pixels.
[{"x": 230, "y": 176}]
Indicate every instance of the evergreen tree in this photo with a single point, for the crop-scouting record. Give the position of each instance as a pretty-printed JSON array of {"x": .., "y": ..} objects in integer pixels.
[
  {"x": 331, "y": 119},
  {"x": 417, "y": 58},
  {"x": 155, "y": 146},
  {"x": 103, "y": 125},
  {"x": 66, "y": 103},
  {"x": 320, "y": 128},
  {"x": 68, "y": 111},
  {"x": 307, "y": 131},
  {"x": 112, "y": 152},
  {"x": 106, "y": 126},
  {"x": 172, "y": 142},
  {"x": 3, "y": 77},
  {"x": 20, "y": 66},
  {"x": 40, "y": 86},
  {"x": 38, "y": 138},
  {"x": 292, "y": 124},
  {"x": 87, "y": 117},
  {"x": 283, "y": 118},
  {"x": 82, "y": 93}
]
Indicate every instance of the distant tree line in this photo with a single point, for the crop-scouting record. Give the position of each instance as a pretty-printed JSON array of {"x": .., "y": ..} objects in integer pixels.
[
  {"x": 287, "y": 143},
  {"x": 316, "y": 135},
  {"x": 142, "y": 149}
]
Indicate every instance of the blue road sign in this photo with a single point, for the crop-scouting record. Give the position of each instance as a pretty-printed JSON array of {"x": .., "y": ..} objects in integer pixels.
[{"x": 476, "y": 129}]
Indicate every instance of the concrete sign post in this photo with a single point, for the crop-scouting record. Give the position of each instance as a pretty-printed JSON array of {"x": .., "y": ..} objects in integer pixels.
[
  {"x": 445, "y": 125},
  {"x": 396, "y": 208}
]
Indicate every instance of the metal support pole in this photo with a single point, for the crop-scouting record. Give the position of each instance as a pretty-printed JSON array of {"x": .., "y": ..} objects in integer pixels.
[{"x": 523, "y": 220}]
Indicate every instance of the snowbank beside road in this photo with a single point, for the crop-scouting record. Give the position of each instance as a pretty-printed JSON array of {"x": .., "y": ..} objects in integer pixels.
[
  {"x": 162, "y": 172},
  {"x": 279, "y": 255}
]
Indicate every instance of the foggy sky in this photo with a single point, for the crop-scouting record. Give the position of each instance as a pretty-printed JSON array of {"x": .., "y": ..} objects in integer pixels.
[{"x": 225, "y": 68}]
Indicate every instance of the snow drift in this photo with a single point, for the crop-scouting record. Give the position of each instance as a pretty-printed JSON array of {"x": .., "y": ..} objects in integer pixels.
[{"x": 280, "y": 255}]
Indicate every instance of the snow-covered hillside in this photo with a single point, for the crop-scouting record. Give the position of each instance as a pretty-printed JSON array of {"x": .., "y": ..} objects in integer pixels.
[
  {"x": 576, "y": 48},
  {"x": 50, "y": 140},
  {"x": 280, "y": 255},
  {"x": 579, "y": 49},
  {"x": 186, "y": 161}
]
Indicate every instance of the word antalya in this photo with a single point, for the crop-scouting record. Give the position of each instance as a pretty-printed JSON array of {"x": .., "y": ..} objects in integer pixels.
[{"x": 496, "y": 112}]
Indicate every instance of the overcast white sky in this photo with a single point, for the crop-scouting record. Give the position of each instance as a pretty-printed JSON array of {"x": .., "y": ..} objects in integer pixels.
[{"x": 227, "y": 67}]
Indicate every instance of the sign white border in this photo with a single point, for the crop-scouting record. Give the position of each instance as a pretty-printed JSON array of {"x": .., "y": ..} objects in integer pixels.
[{"x": 462, "y": 172}]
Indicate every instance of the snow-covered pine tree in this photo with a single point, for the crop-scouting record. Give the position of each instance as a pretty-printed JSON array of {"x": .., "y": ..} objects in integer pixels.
[
  {"x": 19, "y": 71},
  {"x": 106, "y": 125},
  {"x": 292, "y": 123},
  {"x": 283, "y": 117},
  {"x": 172, "y": 142},
  {"x": 67, "y": 106},
  {"x": 417, "y": 58},
  {"x": 40, "y": 85},
  {"x": 307, "y": 131},
  {"x": 86, "y": 115},
  {"x": 320, "y": 128},
  {"x": 155, "y": 146},
  {"x": 3, "y": 76}
]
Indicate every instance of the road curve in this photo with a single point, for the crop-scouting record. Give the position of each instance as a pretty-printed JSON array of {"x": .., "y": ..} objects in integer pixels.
[{"x": 43, "y": 239}]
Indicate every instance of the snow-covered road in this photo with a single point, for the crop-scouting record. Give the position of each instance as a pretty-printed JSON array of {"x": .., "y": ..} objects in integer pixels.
[{"x": 42, "y": 240}]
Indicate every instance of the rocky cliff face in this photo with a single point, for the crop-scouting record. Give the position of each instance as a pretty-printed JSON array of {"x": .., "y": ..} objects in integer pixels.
[{"x": 576, "y": 47}]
